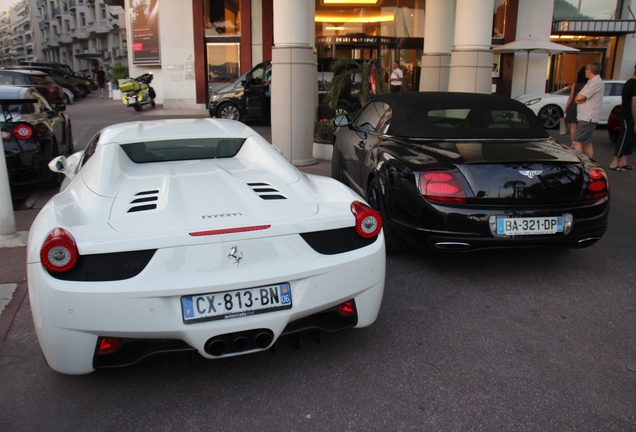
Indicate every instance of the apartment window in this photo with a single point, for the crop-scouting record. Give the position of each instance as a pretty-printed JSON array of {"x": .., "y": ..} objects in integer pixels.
[
  {"x": 82, "y": 19},
  {"x": 102, "y": 11},
  {"x": 67, "y": 26}
]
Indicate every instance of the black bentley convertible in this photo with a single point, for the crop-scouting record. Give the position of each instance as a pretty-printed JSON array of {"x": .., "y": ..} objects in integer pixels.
[{"x": 459, "y": 171}]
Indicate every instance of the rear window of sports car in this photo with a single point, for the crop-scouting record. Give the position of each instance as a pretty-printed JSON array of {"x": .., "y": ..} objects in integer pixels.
[{"x": 183, "y": 149}]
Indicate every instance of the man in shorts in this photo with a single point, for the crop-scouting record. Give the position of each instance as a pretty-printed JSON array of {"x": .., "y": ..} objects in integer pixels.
[{"x": 589, "y": 102}]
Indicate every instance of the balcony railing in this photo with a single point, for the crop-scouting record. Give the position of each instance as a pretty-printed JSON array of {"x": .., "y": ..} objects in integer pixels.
[{"x": 57, "y": 12}]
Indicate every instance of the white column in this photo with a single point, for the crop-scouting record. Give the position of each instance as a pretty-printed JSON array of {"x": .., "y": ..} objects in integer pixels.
[
  {"x": 471, "y": 58},
  {"x": 7, "y": 219},
  {"x": 533, "y": 19},
  {"x": 294, "y": 80},
  {"x": 439, "y": 24}
]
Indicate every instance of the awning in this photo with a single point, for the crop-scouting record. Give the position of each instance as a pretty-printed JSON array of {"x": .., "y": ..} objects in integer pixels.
[{"x": 593, "y": 27}]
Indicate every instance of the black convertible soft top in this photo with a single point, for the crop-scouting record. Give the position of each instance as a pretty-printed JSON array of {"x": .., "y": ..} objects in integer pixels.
[{"x": 449, "y": 115}]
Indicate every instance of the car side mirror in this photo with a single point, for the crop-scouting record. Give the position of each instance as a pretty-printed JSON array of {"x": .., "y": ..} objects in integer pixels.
[
  {"x": 59, "y": 165},
  {"x": 341, "y": 120}
]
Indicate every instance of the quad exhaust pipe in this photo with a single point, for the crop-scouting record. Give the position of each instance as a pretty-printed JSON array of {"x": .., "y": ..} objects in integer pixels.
[
  {"x": 239, "y": 342},
  {"x": 453, "y": 246}
]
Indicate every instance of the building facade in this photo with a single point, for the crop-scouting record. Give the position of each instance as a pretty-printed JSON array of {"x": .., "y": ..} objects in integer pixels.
[{"x": 81, "y": 33}]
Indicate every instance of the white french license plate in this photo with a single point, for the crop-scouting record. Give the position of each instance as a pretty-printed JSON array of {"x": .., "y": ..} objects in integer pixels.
[
  {"x": 132, "y": 100},
  {"x": 530, "y": 226},
  {"x": 235, "y": 304}
]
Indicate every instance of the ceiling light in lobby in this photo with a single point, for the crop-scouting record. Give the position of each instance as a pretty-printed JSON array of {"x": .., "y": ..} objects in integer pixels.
[{"x": 350, "y": 2}]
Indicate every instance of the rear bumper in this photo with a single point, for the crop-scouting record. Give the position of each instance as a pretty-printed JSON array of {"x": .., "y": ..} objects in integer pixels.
[
  {"x": 470, "y": 230},
  {"x": 70, "y": 317}
]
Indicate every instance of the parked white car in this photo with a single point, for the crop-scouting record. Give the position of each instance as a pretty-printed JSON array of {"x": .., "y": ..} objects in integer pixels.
[
  {"x": 550, "y": 107},
  {"x": 195, "y": 235}
]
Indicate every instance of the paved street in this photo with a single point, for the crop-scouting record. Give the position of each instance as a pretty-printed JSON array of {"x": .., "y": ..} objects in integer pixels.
[{"x": 528, "y": 340}]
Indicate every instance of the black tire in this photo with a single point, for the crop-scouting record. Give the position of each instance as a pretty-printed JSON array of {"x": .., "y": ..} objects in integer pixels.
[
  {"x": 375, "y": 198},
  {"x": 50, "y": 179},
  {"x": 549, "y": 116},
  {"x": 137, "y": 107},
  {"x": 84, "y": 89},
  {"x": 229, "y": 111},
  {"x": 67, "y": 100},
  {"x": 152, "y": 103}
]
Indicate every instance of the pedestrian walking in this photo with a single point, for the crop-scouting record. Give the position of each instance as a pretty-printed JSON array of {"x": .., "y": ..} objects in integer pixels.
[
  {"x": 589, "y": 102},
  {"x": 625, "y": 144},
  {"x": 100, "y": 80}
]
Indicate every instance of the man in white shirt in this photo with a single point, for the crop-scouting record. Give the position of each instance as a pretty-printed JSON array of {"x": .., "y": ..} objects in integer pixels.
[
  {"x": 395, "y": 80},
  {"x": 589, "y": 102}
]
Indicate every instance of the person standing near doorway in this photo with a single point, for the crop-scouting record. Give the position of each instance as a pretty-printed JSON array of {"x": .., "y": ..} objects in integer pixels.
[
  {"x": 100, "y": 80},
  {"x": 395, "y": 80},
  {"x": 625, "y": 144},
  {"x": 570, "y": 107},
  {"x": 589, "y": 102}
]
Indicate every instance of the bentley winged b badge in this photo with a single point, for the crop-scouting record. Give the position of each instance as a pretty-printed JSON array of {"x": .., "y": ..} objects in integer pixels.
[{"x": 530, "y": 173}]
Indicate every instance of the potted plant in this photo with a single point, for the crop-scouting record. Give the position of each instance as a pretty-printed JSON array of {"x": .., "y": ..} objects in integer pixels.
[
  {"x": 323, "y": 130},
  {"x": 119, "y": 72}
]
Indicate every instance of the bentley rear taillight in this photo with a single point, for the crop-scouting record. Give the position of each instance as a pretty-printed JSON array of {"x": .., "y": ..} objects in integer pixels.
[
  {"x": 59, "y": 252},
  {"x": 368, "y": 221},
  {"x": 597, "y": 184},
  {"x": 442, "y": 186}
]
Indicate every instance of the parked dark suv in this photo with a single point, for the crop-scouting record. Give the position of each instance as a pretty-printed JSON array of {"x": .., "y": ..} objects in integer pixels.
[
  {"x": 248, "y": 96},
  {"x": 80, "y": 87},
  {"x": 41, "y": 81},
  {"x": 244, "y": 98}
]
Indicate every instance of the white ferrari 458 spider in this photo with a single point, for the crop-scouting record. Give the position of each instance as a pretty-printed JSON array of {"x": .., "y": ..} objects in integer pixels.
[{"x": 195, "y": 235}]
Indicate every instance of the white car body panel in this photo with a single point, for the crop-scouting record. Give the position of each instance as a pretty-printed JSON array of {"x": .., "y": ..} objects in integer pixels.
[
  {"x": 611, "y": 99},
  {"x": 193, "y": 196}
]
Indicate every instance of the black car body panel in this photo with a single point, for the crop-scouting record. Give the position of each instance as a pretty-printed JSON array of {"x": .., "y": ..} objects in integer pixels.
[
  {"x": 505, "y": 167},
  {"x": 48, "y": 134}
]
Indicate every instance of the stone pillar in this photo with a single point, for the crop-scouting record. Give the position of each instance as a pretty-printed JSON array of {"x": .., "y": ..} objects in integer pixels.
[
  {"x": 534, "y": 19},
  {"x": 294, "y": 80},
  {"x": 471, "y": 58},
  {"x": 438, "y": 40},
  {"x": 7, "y": 219}
]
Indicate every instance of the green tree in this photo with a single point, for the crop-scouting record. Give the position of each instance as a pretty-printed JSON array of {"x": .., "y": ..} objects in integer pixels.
[{"x": 341, "y": 85}]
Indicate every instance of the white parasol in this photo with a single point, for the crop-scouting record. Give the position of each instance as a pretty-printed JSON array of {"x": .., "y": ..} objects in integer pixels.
[{"x": 529, "y": 44}]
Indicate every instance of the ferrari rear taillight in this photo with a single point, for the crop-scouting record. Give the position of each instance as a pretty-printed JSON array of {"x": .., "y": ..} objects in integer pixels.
[
  {"x": 59, "y": 252},
  {"x": 442, "y": 186},
  {"x": 368, "y": 221},
  {"x": 597, "y": 185}
]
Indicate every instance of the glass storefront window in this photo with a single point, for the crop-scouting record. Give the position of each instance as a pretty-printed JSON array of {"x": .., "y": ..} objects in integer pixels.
[
  {"x": 585, "y": 9},
  {"x": 499, "y": 19},
  {"x": 223, "y": 63},
  {"x": 393, "y": 18},
  {"x": 221, "y": 18}
]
